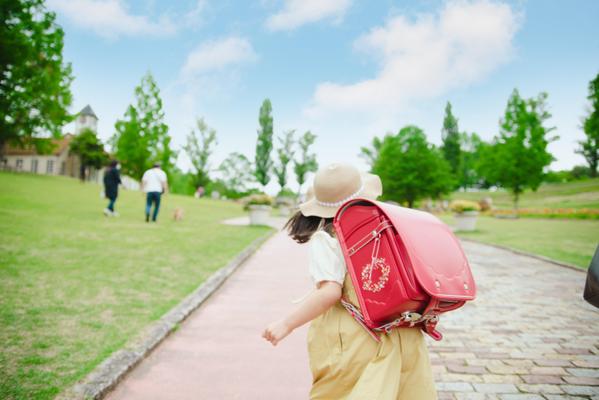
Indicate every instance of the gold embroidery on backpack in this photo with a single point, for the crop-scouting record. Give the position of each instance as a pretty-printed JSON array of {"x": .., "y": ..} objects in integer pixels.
[{"x": 376, "y": 264}]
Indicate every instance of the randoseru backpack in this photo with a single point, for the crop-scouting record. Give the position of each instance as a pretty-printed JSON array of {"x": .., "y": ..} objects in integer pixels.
[{"x": 407, "y": 267}]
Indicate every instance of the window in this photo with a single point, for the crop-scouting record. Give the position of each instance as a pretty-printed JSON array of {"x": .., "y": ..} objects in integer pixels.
[
  {"x": 19, "y": 164},
  {"x": 34, "y": 166},
  {"x": 50, "y": 167}
]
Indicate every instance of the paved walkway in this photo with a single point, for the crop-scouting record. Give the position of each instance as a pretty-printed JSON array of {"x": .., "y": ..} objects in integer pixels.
[{"x": 528, "y": 336}]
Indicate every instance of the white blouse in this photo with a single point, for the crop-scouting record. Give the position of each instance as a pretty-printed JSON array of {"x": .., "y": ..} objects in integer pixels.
[{"x": 326, "y": 261}]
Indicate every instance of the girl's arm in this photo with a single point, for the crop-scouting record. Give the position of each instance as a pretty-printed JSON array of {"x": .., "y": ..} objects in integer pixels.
[{"x": 320, "y": 300}]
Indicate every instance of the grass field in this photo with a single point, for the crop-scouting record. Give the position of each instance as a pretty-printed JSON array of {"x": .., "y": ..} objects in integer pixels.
[
  {"x": 580, "y": 194},
  {"x": 76, "y": 286},
  {"x": 571, "y": 241}
]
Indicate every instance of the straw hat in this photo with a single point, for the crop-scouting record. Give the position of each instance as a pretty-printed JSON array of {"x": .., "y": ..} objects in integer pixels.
[{"x": 336, "y": 184}]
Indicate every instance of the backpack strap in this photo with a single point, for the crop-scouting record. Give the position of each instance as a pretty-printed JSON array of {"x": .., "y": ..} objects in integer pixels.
[
  {"x": 369, "y": 237},
  {"x": 430, "y": 318},
  {"x": 357, "y": 315}
]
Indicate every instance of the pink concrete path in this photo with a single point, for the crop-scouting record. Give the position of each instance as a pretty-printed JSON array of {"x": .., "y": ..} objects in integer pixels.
[{"x": 218, "y": 352}]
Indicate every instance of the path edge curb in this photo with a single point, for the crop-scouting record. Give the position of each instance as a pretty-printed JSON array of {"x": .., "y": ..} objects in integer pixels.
[
  {"x": 111, "y": 371},
  {"x": 524, "y": 253}
]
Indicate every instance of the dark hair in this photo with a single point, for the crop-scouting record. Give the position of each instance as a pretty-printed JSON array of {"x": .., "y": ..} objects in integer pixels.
[
  {"x": 156, "y": 165},
  {"x": 113, "y": 163},
  {"x": 301, "y": 228}
]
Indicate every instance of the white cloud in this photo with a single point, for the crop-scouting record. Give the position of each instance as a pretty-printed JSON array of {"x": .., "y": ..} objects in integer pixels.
[
  {"x": 296, "y": 13},
  {"x": 218, "y": 54},
  {"x": 425, "y": 57},
  {"x": 110, "y": 18},
  {"x": 193, "y": 18}
]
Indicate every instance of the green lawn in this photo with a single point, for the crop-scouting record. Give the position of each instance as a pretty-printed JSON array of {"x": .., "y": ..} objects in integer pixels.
[
  {"x": 571, "y": 241},
  {"x": 76, "y": 286},
  {"x": 580, "y": 194}
]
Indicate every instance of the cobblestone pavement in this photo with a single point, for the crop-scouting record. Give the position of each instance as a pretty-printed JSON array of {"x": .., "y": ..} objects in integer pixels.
[{"x": 529, "y": 335}]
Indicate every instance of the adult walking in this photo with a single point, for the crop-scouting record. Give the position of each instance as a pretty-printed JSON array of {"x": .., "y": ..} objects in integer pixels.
[
  {"x": 154, "y": 184},
  {"x": 112, "y": 180}
]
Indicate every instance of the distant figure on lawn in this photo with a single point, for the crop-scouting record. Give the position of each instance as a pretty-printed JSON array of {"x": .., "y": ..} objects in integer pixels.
[
  {"x": 112, "y": 180},
  {"x": 199, "y": 192},
  {"x": 153, "y": 183}
]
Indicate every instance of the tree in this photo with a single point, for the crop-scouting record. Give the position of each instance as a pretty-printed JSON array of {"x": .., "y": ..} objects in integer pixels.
[
  {"x": 181, "y": 182},
  {"x": 485, "y": 165},
  {"x": 142, "y": 138},
  {"x": 442, "y": 180},
  {"x": 236, "y": 172},
  {"x": 307, "y": 161},
  {"x": 451, "y": 140},
  {"x": 589, "y": 148},
  {"x": 469, "y": 155},
  {"x": 370, "y": 154},
  {"x": 579, "y": 172},
  {"x": 34, "y": 80},
  {"x": 519, "y": 155},
  {"x": 285, "y": 153},
  {"x": 199, "y": 148},
  {"x": 264, "y": 144},
  {"x": 411, "y": 168},
  {"x": 90, "y": 151}
]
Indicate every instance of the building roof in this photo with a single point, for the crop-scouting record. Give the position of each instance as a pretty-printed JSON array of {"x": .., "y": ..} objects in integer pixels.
[
  {"x": 58, "y": 147},
  {"x": 87, "y": 110}
]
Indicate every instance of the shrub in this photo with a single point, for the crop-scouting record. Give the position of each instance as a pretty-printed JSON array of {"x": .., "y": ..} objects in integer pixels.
[
  {"x": 258, "y": 200},
  {"x": 285, "y": 192},
  {"x": 460, "y": 206},
  {"x": 486, "y": 204}
]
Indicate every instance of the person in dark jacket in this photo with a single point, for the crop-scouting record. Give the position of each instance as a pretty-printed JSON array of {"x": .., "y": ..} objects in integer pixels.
[{"x": 112, "y": 180}]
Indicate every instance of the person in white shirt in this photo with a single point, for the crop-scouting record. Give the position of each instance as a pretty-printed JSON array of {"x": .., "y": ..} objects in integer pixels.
[{"x": 153, "y": 183}]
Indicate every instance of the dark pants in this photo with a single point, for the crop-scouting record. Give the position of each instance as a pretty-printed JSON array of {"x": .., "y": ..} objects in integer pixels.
[
  {"x": 152, "y": 197},
  {"x": 111, "y": 201}
]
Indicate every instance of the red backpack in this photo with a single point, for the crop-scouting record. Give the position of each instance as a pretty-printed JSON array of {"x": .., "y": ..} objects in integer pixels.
[{"x": 407, "y": 267}]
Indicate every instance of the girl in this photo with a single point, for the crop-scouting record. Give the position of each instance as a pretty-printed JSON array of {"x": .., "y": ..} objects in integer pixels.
[{"x": 346, "y": 363}]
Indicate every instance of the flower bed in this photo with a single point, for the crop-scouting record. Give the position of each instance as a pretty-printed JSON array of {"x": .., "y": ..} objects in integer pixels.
[{"x": 576, "y": 213}]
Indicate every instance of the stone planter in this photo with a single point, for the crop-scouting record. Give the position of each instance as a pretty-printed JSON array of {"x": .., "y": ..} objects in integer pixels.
[
  {"x": 259, "y": 214},
  {"x": 284, "y": 210},
  {"x": 466, "y": 221}
]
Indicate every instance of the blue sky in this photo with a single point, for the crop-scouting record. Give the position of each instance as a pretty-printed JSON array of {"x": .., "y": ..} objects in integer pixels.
[{"x": 345, "y": 69}]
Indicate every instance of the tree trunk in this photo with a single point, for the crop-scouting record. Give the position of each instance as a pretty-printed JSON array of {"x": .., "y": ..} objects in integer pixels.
[
  {"x": 82, "y": 172},
  {"x": 2, "y": 142},
  {"x": 516, "y": 196}
]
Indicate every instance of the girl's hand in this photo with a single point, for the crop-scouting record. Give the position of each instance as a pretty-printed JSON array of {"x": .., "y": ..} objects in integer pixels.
[{"x": 276, "y": 332}]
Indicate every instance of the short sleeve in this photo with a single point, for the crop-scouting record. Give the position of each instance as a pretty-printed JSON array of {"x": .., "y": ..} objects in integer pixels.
[{"x": 325, "y": 261}]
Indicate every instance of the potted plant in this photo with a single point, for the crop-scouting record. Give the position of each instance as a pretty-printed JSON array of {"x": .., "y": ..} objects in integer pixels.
[
  {"x": 259, "y": 206},
  {"x": 465, "y": 213},
  {"x": 285, "y": 201}
]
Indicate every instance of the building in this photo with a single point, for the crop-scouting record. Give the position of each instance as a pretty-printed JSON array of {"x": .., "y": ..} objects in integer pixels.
[
  {"x": 27, "y": 159},
  {"x": 58, "y": 161}
]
